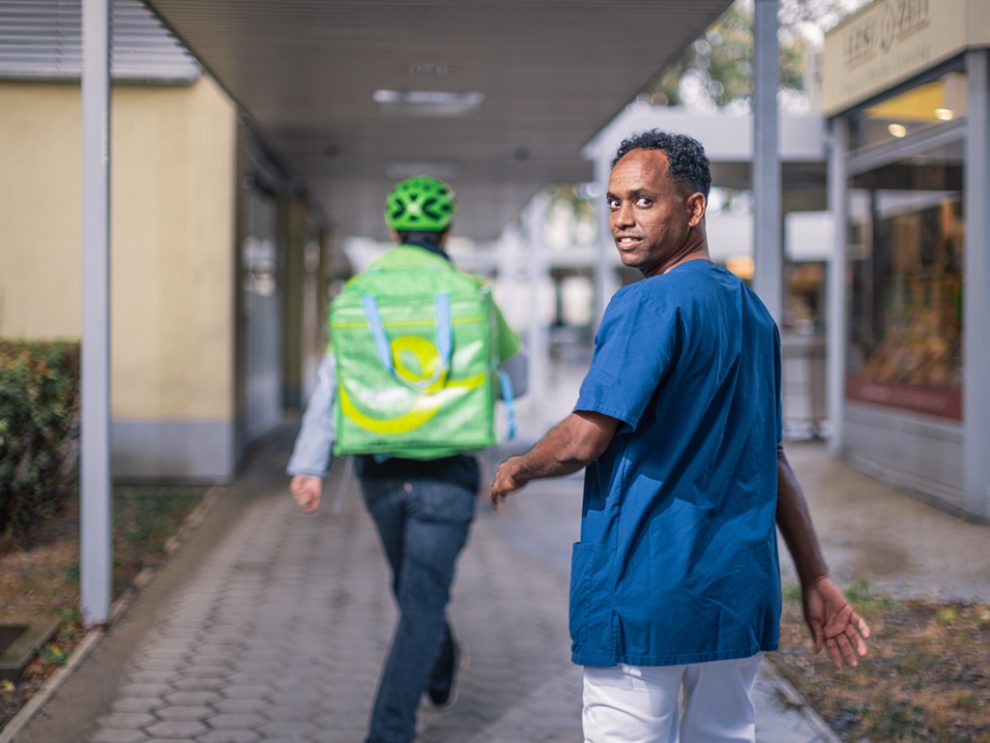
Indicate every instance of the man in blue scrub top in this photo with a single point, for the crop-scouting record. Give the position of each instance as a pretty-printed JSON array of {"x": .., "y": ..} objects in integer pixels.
[{"x": 675, "y": 583}]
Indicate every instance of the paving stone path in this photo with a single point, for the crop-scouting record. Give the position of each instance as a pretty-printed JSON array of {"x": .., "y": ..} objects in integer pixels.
[
  {"x": 280, "y": 637},
  {"x": 278, "y": 632}
]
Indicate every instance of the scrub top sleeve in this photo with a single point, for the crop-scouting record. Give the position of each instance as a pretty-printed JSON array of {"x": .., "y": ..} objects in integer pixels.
[{"x": 633, "y": 350}]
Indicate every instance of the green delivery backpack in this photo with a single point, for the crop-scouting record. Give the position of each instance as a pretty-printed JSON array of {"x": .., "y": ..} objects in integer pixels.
[{"x": 417, "y": 368}]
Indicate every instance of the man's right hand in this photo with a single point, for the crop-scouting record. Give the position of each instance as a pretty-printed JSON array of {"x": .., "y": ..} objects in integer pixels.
[
  {"x": 306, "y": 491},
  {"x": 507, "y": 480}
]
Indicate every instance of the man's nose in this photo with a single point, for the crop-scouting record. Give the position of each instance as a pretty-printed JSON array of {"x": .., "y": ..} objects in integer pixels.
[{"x": 623, "y": 216}]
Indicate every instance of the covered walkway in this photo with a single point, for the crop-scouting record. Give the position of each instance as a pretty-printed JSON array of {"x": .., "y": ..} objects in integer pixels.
[{"x": 341, "y": 99}]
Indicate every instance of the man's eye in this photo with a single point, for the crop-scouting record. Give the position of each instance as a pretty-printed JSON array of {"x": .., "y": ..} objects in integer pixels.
[
  {"x": 643, "y": 201},
  {"x": 613, "y": 203}
]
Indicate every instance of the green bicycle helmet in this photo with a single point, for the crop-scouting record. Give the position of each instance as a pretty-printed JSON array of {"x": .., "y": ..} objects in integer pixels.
[{"x": 422, "y": 204}]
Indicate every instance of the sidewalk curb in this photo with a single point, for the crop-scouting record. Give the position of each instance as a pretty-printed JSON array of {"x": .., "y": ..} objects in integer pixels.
[
  {"x": 28, "y": 711},
  {"x": 92, "y": 637},
  {"x": 788, "y": 692}
]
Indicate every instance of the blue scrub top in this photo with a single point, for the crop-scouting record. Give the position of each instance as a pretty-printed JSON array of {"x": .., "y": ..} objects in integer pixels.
[{"x": 677, "y": 561}]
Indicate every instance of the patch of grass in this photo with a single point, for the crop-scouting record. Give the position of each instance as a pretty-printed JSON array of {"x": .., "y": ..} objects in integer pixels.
[
  {"x": 926, "y": 677},
  {"x": 792, "y": 593},
  {"x": 149, "y": 516},
  {"x": 72, "y": 572},
  {"x": 865, "y": 599},
  {"x": 947, "y": 615},
  {"x": 54, "y": 654},
  {"x": 890, "y": 719}
]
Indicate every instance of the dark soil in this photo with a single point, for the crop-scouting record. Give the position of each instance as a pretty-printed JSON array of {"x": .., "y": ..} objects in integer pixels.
[
  {"x": 927, "y": 677},
  {"x": 40, "y": 575}
]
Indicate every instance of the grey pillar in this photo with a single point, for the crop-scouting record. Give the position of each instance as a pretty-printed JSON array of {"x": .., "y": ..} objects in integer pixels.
[
  {"x": 836, "y": 318},
  {"x": 976, "y": 309},
  {"x": 507, "y": 263},
  {"x": 95, "y": 540},
  {"x": 538, "y": 346},
  {"x": 605, "y": 246},
  {"x": 768, "y": 279}
]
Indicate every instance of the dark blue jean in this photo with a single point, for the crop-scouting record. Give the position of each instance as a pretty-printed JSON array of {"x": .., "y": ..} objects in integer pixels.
[{"x": 423, "y": 526}]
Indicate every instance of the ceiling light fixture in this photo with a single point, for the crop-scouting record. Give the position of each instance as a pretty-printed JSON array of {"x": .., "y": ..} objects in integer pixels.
[
  {"x": 427, "y": 102},
  {"x": 429, "y": 69},
  {"x": 897, "y": 130},
  {"x": 944, "y": 114}
]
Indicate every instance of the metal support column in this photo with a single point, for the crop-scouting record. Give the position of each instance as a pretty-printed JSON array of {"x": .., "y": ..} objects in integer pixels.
[
  {"x": 605, "y": 246},
  {"x": 768, "y": 279},
  {"x": 508, "y": 261},
  {"x": 836, "y": 317},
  {"x": 95, "y": 541},
  {"x": 976, "y": 309},
  {"x": 538, "y": 346}
]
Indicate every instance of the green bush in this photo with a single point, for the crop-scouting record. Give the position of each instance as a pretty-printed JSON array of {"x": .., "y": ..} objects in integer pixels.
[{"x": 39, "y": 430}]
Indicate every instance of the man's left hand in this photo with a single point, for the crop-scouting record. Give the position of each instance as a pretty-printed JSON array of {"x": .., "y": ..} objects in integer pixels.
[
  {"x": 507, "y": 480},
  {"x": 834, "y": 624}
]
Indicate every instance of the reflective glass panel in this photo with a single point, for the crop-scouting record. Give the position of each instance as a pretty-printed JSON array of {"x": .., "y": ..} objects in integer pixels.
[{"x": 905, "y": 243}]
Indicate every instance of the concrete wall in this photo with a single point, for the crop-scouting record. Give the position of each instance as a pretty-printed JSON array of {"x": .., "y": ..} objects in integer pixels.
[
  {"x": 172, "y": 221},
  {"x": 917, "y": 452}
]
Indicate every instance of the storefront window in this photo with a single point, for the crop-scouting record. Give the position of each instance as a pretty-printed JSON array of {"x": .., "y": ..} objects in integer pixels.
[
  {"x": 905, "y": 242},
  {"x": 924, "y": 106}
]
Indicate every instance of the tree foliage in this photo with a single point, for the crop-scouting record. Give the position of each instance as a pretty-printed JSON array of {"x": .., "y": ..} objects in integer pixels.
[{"x": 718, "y": 67}]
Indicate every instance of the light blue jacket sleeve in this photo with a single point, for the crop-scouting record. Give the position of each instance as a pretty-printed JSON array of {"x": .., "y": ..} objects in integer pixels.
[
  {"x": 311, "y": 453},
  {"x": 517, "y": 367}
]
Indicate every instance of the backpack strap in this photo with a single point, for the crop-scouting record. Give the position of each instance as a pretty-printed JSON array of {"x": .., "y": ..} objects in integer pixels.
[
  {"x": 374, "y": 318},
  {"x": 444, "y": 337},
  {"x": 509, "y": 398}
]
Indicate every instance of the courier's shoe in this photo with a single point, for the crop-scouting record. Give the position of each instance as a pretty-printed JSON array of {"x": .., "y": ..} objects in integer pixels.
[{"x": 441, "y": 689}]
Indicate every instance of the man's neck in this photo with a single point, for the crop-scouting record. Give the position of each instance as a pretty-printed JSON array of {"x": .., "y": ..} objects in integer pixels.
[
  {"x": 431, "y": 248},
  {"x": 697, "y": 255},
  {"x": 694, "y": 250}
]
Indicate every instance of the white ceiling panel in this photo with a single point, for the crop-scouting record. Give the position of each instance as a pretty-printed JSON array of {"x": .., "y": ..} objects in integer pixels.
[{"x": 552, "y": 73}]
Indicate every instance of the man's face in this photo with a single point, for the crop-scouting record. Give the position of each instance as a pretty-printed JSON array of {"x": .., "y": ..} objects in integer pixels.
[{"x": 650, "y": 215}]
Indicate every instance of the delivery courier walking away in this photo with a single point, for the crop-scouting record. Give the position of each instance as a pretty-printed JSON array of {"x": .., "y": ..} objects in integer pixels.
[{"x": 419, "y": 355}]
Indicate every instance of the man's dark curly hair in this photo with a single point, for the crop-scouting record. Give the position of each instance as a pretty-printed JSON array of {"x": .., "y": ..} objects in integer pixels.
[{"x": 686, "y": 159}]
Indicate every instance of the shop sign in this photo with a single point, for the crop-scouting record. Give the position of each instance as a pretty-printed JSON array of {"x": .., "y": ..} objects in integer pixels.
[{"x": 891, "y": 41}]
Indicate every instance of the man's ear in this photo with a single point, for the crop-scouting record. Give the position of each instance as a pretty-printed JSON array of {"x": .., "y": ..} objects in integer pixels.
[{"x": 696, "y": 205}]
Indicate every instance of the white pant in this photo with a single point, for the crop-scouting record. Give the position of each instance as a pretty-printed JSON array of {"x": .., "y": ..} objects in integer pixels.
[{"x": 639, "y": 704}]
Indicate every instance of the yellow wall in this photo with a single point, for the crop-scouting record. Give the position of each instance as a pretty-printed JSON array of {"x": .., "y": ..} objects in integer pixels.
[
  {"x": 40, "y": 288},
  {"x": 173, "y": 183}
]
